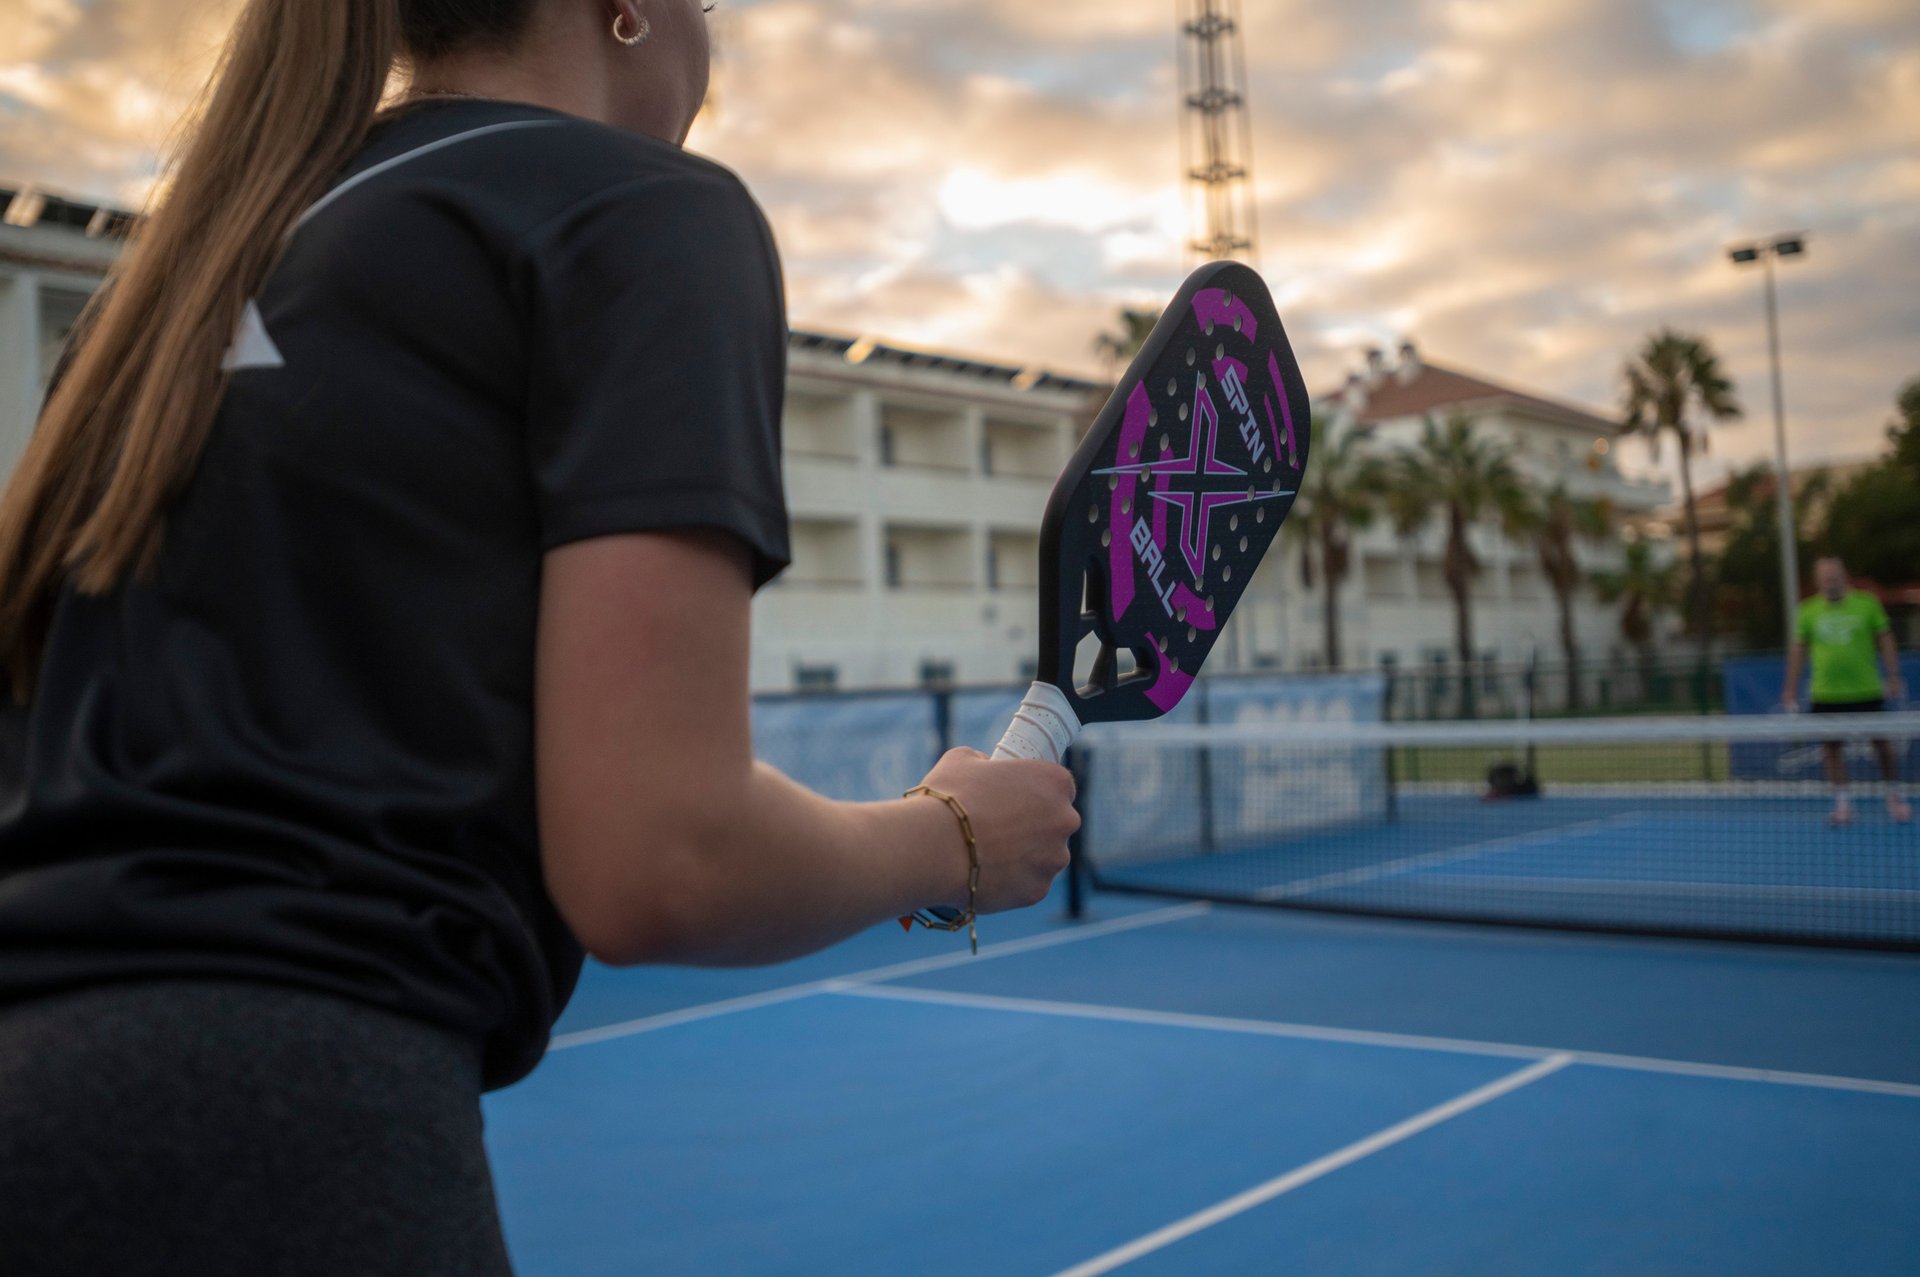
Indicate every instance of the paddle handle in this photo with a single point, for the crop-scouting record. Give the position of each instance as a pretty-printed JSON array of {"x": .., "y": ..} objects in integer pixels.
[{"x": 1042, "y": 727}]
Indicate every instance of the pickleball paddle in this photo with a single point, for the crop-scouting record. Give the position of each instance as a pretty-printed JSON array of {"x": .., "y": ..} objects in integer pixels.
[{"x": 1154, "y": 529}]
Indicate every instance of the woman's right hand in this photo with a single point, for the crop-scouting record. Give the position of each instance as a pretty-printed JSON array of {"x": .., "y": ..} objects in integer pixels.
[{"x": 1022, "y": 814}]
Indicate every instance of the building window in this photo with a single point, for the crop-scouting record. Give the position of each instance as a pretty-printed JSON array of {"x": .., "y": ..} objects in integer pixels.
[
  {"x": 816, "y": 678},
  {"x": 986, "y": 455},
  {"x": 893, "y": 565},
  {"x": 886, "y": 445},
  {"x": 936, "y": 674},
  {"x": 993, "y": 567},
  {"x": 1029, "y": 669}
]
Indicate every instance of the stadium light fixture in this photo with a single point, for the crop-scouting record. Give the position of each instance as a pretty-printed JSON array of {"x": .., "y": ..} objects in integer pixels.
[{"x": 1793, "y": 244}]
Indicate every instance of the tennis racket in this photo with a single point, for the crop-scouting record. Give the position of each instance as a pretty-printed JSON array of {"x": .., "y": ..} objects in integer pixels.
[{"x": 1153, "y": 531}]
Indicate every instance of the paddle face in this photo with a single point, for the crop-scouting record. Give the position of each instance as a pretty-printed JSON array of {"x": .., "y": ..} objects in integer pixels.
[{"x": 1154, "y": 529}]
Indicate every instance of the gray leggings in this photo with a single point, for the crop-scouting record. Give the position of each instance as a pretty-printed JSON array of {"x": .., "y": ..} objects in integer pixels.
[{"x": 212, "y": 1127}]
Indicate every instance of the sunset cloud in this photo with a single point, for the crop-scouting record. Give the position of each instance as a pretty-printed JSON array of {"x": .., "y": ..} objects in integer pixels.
[{"x": 1526, "y": 187}]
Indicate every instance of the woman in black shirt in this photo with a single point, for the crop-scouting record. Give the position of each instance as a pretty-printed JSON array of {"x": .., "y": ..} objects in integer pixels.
[{"x": 374, "y": 603}]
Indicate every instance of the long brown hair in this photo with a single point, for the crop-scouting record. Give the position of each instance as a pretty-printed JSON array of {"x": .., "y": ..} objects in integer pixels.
[{"x": 296, "y": 92}]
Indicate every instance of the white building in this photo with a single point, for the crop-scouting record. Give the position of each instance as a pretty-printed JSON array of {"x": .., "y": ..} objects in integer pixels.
[
  {"x": 915, "y": 479},
  {"x": 916, "y": 482},
  {"x": 1395, "y": 607},
  {"x": 53, "y": 253}
]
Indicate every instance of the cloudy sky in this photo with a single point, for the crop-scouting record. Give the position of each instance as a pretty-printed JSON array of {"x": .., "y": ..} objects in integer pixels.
[{"x": 1524, "y": 187}]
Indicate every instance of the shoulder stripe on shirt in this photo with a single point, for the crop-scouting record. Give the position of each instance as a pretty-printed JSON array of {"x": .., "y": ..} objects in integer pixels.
[
  {"x": 415, "y": 154},
  {"x": 253, "y": 345}
]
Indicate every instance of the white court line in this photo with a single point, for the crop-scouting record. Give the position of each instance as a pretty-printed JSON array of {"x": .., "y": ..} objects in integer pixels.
[
  {"x": 686, "y": 1015},
  {"x": 1427, "y": 860},
  {"x": 1370, "y": 1037},
  {"x": 835, "y": 984},
  {"x": 1196, "y": 1222}
]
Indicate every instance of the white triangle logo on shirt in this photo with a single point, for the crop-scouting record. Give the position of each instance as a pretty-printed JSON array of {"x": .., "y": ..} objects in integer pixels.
[{"x": 252, "y": 345}]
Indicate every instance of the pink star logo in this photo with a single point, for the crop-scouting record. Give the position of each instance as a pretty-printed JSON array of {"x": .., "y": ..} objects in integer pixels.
[{"x": 1192, "y": 484}]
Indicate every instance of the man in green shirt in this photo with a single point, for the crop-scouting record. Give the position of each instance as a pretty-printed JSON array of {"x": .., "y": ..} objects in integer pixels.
[{"x": 1846, "y": 633}]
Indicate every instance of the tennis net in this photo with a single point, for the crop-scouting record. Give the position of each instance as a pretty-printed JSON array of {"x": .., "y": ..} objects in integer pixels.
[{"x": 1718, "y": 827}]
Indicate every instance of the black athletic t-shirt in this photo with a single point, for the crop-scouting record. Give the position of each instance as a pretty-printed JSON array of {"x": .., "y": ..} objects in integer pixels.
[{"x": 303, "y": 751}]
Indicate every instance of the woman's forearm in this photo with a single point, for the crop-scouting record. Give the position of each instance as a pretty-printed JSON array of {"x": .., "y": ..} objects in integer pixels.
[{"x": 785, "y": 871}]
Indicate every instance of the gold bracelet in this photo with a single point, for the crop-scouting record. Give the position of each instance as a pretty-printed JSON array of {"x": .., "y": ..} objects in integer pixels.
[{"x": 923, "y": 917}]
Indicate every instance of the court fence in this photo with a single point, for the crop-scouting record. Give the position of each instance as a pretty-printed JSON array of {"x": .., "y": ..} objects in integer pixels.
[
  {"x": 1669, "y": 683},
  {"x": 864, "y": 745}
]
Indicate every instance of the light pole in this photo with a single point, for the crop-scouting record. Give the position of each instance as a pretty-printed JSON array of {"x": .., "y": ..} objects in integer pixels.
[{"x": 1764, "y": 251}]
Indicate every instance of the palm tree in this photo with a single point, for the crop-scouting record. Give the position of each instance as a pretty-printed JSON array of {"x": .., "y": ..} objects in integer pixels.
[
  {"x": 1123, "y": 344},
  {"x": 1646, "y": 588},
  {"x": 1465, "y": 477},
  {"x": 1553, "y": 523},
  {"x": 1338, "y": 497},
  {"x": 1673, "y": 374},
  {"x": 1117, "y": 349}
]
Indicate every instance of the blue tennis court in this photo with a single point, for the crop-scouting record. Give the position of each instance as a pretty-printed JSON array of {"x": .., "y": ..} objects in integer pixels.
[{"x": 1194, "y": 1088}]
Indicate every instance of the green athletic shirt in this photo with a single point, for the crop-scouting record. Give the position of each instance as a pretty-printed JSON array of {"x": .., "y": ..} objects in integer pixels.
[{"x": 1840, "y": 639}]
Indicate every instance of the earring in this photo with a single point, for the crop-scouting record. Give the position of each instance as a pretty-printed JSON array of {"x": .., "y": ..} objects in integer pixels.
[{"x": 640, "y": 32}]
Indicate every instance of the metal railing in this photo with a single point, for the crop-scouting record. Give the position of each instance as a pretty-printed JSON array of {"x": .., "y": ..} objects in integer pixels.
[{"x": 1666, "y": 683}]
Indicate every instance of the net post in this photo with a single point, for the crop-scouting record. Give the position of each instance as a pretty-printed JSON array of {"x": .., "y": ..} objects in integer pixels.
[
  {"x": 1076, "y": 841},
  {"x": 1204, "y": 764},
  {"x": 943, "y": 717},
  {"x": 1704, "y": 704},
  {"x": 1529, "y": 693},
  {"x": 1389, "y": 770}
]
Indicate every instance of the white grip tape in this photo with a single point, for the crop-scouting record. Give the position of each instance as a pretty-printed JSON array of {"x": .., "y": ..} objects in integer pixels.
[{"x": 1042, "y": 727}]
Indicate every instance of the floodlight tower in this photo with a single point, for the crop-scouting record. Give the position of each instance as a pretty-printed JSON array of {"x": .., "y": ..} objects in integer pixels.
[
  {"x": 1216, "y": 144},
  {"x": 1763, "y": 252}
]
